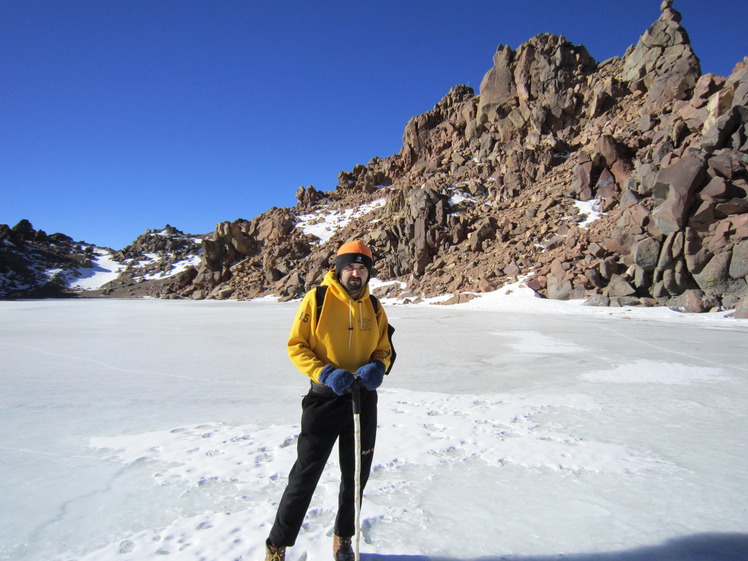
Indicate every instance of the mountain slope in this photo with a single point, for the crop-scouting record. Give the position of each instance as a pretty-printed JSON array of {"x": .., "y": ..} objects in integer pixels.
[
  {"x": 623, "y": 182},
  {"x": 489, "y": 188}
]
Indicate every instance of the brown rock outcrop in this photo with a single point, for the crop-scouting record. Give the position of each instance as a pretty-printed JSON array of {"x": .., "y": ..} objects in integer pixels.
[{"x": 623, "y": 182}]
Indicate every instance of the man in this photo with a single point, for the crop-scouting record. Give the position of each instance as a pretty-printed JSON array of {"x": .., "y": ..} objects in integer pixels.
[{"x": 334, "y": 340}]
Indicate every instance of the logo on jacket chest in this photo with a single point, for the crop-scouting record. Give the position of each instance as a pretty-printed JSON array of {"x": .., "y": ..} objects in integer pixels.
[{"x": 366, "y": 324}]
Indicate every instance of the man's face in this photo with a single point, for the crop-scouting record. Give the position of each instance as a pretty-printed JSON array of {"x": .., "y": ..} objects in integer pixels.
[{"x": 353, "y": 277}]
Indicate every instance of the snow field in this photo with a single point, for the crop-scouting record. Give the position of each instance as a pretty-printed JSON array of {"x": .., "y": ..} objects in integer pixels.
[{"x": 510, "y": 428}]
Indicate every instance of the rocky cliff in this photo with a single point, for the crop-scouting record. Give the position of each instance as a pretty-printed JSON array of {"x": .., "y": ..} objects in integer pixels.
[
  {"x": 623, "y": 182},
  {"x": 489, "y": 188},
  {"x": 36, "y": 265}
]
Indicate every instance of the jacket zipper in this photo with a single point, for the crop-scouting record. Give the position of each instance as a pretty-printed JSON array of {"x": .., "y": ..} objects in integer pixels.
[{"x": 350, "y": 320}]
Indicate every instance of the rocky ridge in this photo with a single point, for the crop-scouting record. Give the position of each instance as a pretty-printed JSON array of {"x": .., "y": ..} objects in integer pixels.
[
  {"x": 36, "y": 265},
  {"x": 152, "y": 262},
  {"x": 486, "y": 188},
  {"x": 498, "y": 187}
]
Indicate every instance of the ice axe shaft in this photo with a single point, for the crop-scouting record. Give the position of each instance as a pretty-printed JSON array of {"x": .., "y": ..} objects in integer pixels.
[{"x": 356, "y": 399}]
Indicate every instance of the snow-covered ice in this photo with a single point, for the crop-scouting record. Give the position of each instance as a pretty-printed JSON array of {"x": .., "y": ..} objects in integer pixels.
[{"x": 510, "y": 428}]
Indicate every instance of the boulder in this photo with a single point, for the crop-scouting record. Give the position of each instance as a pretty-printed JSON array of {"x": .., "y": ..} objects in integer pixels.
[
  {"x": 697, "y": 302},
  {"x": 714, "y": 276},
  {"x": 620, "y": 286},
  {"x": 674, "y": 191},
  {"x": 741, "y": 309},
  {"x": 646, "y": 253},
  {"x": 738, "y": 267}
]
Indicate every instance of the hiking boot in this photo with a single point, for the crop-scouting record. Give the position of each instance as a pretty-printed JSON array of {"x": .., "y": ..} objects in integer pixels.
[
  {"x": 275, "y": 552},
  {"x": 341, "y": 549}
]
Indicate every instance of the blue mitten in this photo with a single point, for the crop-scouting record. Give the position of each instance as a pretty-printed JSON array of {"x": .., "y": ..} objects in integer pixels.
[
  {"x": 371, "y": 374},
  {"x": 337, "y": 379}
]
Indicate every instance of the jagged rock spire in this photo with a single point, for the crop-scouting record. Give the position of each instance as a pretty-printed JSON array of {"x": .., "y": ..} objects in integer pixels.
[{"x": 662, "y": 63}]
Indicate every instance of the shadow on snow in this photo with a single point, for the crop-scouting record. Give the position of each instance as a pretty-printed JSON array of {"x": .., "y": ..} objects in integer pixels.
[{"x": 699, "y": 547}]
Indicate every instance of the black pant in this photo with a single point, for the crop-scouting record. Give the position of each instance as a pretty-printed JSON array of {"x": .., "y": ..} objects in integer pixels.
[{"x": 324, "y": 419}]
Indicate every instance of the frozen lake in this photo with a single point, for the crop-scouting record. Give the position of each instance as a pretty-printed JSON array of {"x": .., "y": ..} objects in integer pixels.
[{"x": 509, "y": 429}]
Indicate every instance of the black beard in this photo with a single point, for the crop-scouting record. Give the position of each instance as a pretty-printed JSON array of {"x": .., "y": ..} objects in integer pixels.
[{"x": 353, "y": 286}]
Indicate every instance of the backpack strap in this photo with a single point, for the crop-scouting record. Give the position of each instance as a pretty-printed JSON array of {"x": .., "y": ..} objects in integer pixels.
[
  {"x": 374, "y": 304},
  {"x": 319, "y": 295}
]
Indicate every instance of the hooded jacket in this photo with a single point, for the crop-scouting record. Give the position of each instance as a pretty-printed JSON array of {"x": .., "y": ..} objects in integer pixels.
[{"x": 348, "y": 333}]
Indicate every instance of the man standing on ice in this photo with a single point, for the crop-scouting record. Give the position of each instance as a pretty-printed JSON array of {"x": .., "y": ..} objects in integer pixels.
[{"x": 339, "y": 334}]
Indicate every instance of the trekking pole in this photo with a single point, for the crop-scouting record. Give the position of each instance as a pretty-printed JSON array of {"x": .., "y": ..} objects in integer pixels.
[{"x": 356, "y": 395}]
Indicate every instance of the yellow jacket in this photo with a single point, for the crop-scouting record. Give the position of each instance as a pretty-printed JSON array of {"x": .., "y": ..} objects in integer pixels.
[{"x": 347, "y": 334}]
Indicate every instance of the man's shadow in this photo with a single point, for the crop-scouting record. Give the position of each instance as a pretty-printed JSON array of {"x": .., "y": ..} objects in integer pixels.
[{"x": 697, "y": 547}]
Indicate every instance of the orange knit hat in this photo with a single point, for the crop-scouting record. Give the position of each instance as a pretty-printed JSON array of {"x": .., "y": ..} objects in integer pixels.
[
  {"x": 354, "y": 252},
  {"x": 355, "y": 247}
]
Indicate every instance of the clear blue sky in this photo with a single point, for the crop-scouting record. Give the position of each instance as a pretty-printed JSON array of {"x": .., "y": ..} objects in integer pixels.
[{"x": 117, "y": 116}]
